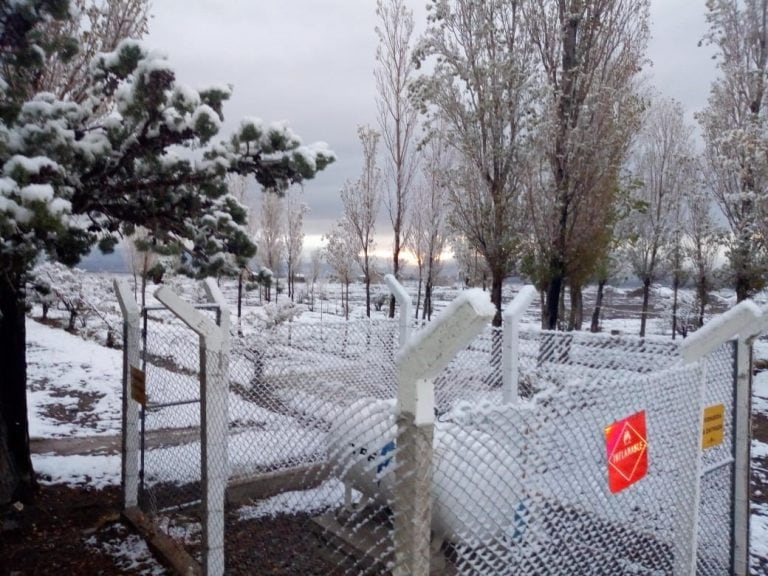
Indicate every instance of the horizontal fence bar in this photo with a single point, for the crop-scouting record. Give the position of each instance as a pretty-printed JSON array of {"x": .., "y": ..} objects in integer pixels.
[
  {"x": 716, "y": 466},
  {"x": 151, "y": 407},
  {"x": 154, "y": 308}
]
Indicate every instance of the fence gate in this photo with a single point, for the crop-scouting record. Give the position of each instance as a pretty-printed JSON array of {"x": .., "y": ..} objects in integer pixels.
[{"x": 174, "y": 425}]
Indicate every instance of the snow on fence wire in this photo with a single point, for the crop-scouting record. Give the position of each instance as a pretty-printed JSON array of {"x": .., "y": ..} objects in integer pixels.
[{"x": 471, "y": 470}]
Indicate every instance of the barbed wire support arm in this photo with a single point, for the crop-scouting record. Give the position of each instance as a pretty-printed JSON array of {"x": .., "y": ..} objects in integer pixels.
[
  {"x": 419, "y": 361},
  {"x": 404, "y": 300},
  {"x": 510, "y": 357}
]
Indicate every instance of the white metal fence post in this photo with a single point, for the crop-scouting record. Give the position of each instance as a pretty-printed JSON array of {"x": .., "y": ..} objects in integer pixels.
[
  {"x": 745, "y": 320},
  {"x": 214, "y": 380},
  {"x": 510, "y": 358},
  {"x": 404, "y": 300},
  {"x": 742, "y": 440},
  {"x": 419, "y": 361},
  {"x": 129, "y": 469}
]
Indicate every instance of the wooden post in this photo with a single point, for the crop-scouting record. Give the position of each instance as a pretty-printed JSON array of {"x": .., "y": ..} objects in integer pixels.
[
  {"x": 129, "y": 468},
  {"x": 425, "y": 355},
  {"x": 510, "y": 356},
  {"x": 214, "y": 379}
]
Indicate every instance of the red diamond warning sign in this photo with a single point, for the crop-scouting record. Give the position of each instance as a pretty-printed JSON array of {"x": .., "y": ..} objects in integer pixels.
[{"x": 627, "y": 447}]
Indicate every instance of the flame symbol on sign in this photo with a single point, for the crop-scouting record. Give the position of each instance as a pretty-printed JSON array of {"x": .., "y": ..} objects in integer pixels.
[{"x": 627, "y": 437}]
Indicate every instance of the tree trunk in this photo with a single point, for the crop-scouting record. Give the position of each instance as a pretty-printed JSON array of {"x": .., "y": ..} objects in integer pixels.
[
  {"x": 395, "y": 271},
  {"x": 17, "y": 478},
  {"x": 595, "y": 326},
  {"x": 418, "y": 296},
  {"x": 239, "y": 294},
  {"x": 644, "y": 311},
  {"x": 553, "y": 300},
  {"x": 544, "y": 309},
  {"x": 701, "y": 287},
  {"x": 367, "y": 295},
  {"x": 346, "y": 305},
  {"x": 427, "y": 312},
  {"x": 675, "y": 288},
  {"x": 576, "y": 318},
  {"x": 496, "y": 281}
]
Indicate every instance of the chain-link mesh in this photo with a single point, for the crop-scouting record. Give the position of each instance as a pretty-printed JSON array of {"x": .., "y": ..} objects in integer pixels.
[
  {"x": 170, "y": 489},
  {"x": 715, "y": 506},
  {"x": 327, "y": 466},
  {"x": 288, "y": 384}
]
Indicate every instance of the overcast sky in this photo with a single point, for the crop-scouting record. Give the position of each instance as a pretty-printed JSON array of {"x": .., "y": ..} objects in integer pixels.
[{"x": 310, "y": 62}]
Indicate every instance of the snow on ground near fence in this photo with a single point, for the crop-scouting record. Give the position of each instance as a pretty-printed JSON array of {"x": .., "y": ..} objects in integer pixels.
[
  {"x": 74, "y": 385},
  {"x": 759, "y": 523}
]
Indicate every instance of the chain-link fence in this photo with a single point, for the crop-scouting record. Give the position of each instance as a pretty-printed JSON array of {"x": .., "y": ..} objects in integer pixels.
[
  {"x": 288, "y": 384},
  {"x": 715, "y": 531},
  {"x": 592, "y": 468}
]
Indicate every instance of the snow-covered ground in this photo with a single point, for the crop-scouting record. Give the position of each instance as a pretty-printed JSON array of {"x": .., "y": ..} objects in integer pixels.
[{"x": 74, "y": 383}]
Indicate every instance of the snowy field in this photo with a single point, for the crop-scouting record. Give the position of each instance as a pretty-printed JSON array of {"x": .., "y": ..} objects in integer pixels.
[{"x": 74, "y": 381}]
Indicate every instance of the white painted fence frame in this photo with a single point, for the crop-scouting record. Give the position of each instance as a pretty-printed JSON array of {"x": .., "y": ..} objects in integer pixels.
[
  {"x": 214, "y": 415},
  {"x": 745, "y": 322},
  {"x": 129, "y": 467},
  {"x": 510, "y": 345},
  {"x": 419, "y": 360}
]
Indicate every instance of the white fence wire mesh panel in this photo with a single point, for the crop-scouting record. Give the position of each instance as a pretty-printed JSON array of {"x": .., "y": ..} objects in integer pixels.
[
  {"x": 288, "y": 385},
  {"x": 522, "y": 488},
  {"x": 170, "y": 489},
  {"x": 518, "y": 489},
  {"x": 716, "y": 503}
]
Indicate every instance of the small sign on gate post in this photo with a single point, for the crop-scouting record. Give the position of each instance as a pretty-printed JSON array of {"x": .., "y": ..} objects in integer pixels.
[
  {"x": 713, "y": 430},
  {"x": 138, "y": 385},
  {"x": 626, "y": 442}
]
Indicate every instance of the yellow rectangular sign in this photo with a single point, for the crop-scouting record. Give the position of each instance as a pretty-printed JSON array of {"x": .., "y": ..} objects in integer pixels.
[
  {"x": 138, "y": 385},
  {"x": 713, "y": 430}
]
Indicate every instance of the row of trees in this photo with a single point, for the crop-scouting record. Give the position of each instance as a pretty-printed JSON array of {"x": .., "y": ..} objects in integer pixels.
[{"x": 543, "y": 152}]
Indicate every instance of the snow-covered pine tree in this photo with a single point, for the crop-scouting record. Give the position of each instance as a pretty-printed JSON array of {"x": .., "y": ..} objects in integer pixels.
[{"x": 75, "y": 174}]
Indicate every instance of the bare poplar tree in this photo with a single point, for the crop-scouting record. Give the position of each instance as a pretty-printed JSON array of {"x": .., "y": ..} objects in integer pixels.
[
  {"x": 701, "y": 245},
  {"x": 339, "y": 254},
  {"x": 662, "y": 165},
  {"x": 734, "y": 129},
  {"x": 397, "y": 115},
  {"x": 479, "y": 91},
  {"x": 589, "y": 53},
  {"x": 269, "y": 237},
  {"x": 429, "y": 219},
  {"x": 361, "y": 200},
  {"x": 315, "y": 269},
  {"x": 293, "y": 235}
]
